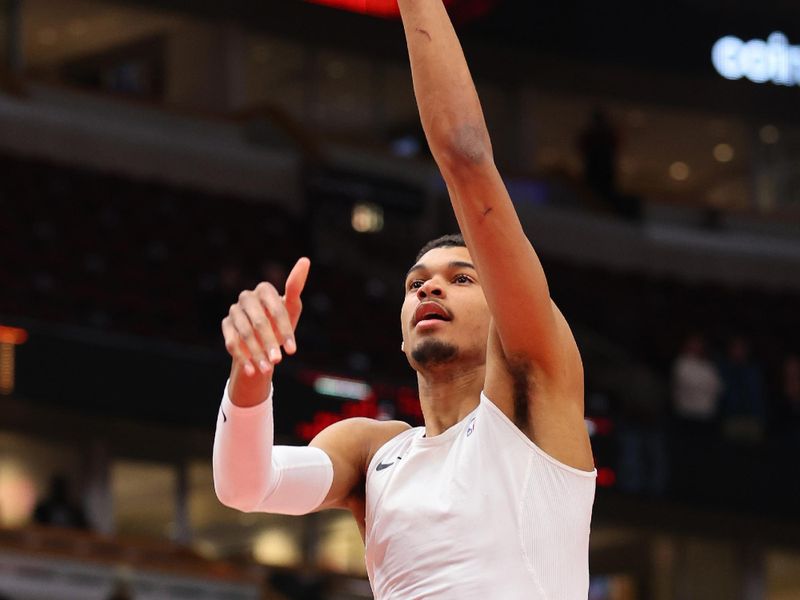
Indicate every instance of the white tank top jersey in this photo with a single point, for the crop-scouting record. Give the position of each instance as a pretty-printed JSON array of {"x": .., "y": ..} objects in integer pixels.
[{"x": 478, "y": 512}]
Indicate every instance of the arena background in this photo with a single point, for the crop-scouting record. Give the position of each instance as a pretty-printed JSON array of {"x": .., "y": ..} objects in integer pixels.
[{"x": 157, "y": 157}]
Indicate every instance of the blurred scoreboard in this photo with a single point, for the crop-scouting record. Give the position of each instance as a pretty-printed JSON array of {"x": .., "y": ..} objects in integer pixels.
[{"x": 319, "y": 399}]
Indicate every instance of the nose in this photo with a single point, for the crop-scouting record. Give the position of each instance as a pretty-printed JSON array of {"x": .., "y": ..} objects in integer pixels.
[{"x": 430, "y": 288}]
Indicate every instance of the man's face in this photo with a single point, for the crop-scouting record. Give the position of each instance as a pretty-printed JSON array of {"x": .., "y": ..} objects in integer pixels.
[{"x": 444, "y": 316}]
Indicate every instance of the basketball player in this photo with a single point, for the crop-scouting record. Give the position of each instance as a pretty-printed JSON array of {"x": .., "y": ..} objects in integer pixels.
[{"x": 492, "y": 498}]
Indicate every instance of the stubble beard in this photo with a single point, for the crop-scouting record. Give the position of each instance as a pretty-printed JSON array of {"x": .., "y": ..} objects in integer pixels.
[{"x": 433, "y": 352}]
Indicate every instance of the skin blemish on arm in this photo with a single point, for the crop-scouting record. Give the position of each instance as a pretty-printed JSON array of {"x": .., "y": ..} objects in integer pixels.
[
  {"x": 469, "y": 142},
  {"x": 425, "y": 33},
  {"x": 487, "y": 211}
]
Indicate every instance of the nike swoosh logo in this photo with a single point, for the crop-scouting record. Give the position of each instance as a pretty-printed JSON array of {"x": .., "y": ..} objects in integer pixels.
[
  {"x": 382, "y": 465},
  {"x": 224, "y": 417}
]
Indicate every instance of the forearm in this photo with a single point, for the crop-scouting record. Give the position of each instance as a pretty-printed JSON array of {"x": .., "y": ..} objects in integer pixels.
[
  {"x": 250, "y": 474},
  {"x": 446, "y": 96},
  {"x": 243, "y": 445}
]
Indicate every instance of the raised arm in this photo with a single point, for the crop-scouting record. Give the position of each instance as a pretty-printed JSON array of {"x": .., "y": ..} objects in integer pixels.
[{"x": 533, "y": 335}]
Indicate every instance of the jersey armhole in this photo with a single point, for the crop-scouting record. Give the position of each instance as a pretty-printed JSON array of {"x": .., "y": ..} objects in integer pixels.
[{"x": 531, "y": 444}]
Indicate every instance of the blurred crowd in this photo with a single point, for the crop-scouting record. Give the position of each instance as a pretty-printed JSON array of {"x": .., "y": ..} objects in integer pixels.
[{"x": 726, "y": 390}]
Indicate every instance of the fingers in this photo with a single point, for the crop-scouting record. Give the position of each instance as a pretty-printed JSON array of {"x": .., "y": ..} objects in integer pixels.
[
  {"x": 294, "y": 287},
  {"x": 236, "y": 347},
  {"x": 262, "y": 321},
  {"x": 252, "y": 346},
  {"x": 282, "y": 327}
]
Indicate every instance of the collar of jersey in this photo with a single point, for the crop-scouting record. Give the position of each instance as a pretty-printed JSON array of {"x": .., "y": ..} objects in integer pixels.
[{"x": 447, "y": 435}]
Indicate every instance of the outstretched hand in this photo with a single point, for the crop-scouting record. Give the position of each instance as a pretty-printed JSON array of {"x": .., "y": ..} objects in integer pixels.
[{"x": 262, "y": 321}]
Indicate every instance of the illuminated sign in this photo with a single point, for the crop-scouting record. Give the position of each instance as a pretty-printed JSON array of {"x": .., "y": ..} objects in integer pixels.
[
  {"x": 759, "y": 61},
  {"x": 378, "y": 8},
  {"x": 340, "y": 387},
  {"x": 9, "y": 338},
  {"x": 462, "y": 9}
]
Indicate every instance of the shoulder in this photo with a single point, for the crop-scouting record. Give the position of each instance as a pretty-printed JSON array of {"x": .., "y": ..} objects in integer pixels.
[
  {"x": 366, "y": 425},
  {"x": 359, "y": 438},
  {"x": 382, "y": 432},
  {"x": 351, "y": 444},
  {"x": 370, "y": 430},
  {"x": 365, "y": 428}
]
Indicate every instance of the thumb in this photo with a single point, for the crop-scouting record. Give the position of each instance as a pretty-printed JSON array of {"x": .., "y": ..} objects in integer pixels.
[{"x": 294, "y": 287}]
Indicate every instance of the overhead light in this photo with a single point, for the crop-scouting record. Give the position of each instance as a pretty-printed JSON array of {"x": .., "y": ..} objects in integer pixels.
[
  {"x": 679, "y": 171},
  {"x": 723, "y": 153},
  {"x": 367, "y": 217}
]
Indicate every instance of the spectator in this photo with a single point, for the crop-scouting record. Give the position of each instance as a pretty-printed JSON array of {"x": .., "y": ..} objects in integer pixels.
[
  {"x": 58, "y": 509},
  {"x": 696, "y": 385},
  {"x": 599, "y": 147},
  {"x": 743, "y": 410}
]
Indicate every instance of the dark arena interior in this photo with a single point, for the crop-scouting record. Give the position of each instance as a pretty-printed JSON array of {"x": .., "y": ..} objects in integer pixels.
[{"x": 157, "y": 157}]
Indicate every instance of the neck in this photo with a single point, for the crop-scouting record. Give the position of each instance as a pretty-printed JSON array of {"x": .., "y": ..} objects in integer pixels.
[{"x": 449, "y": 393}]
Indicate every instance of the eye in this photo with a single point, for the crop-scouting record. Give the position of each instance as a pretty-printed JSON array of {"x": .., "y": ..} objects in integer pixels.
[
  {"x": 461, "y": 278},
  {"x": 416, "y": 284}
]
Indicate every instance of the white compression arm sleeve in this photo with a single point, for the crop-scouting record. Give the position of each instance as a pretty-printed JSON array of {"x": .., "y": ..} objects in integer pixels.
[{"x": 253, "y": 476}]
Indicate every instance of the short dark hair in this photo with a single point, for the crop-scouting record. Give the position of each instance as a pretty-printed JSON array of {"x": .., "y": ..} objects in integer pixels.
[{"x": 452, "y": 240}]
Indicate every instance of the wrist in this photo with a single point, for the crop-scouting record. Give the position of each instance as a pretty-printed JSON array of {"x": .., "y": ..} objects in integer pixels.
[{"x": 248, "y": 390}]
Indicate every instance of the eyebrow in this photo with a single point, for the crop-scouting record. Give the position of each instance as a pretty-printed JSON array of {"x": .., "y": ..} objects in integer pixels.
[{"x": 456, "y": 264}]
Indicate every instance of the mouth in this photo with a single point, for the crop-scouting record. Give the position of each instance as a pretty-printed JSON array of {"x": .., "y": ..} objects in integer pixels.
[{"x": 428, "y": 313}]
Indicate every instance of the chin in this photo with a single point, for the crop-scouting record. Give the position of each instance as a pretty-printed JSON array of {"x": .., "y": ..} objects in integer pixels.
[{"x": 434, "y": 351}]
